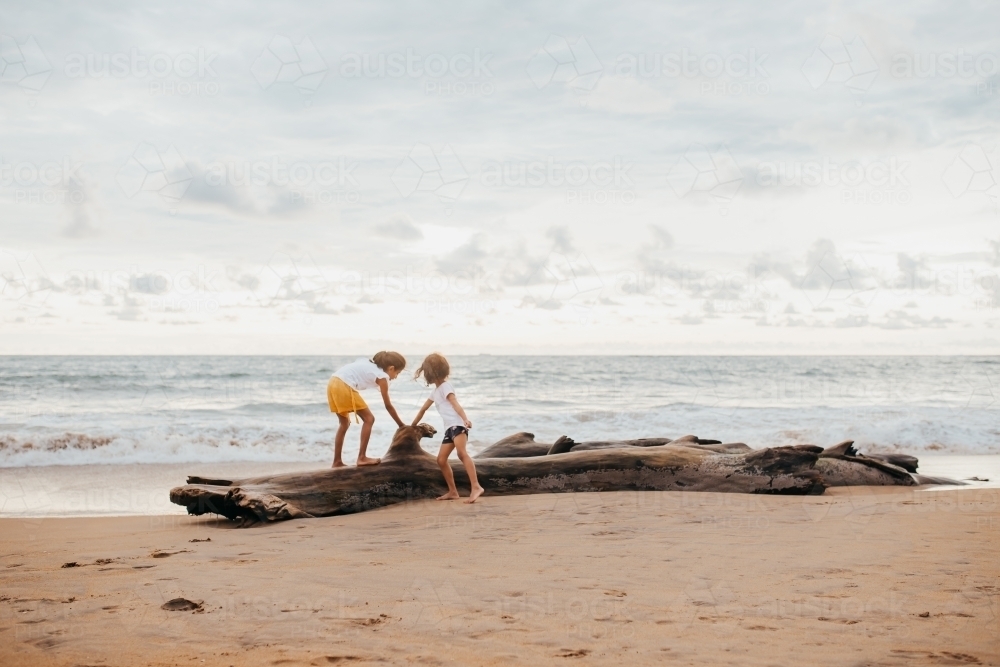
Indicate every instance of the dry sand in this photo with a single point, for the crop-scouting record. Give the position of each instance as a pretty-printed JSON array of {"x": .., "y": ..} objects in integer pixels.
[{"x": 856, "y": 577}]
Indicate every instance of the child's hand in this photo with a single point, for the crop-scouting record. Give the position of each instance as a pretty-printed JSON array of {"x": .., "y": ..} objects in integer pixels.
[{"x": 468, "y": 424}]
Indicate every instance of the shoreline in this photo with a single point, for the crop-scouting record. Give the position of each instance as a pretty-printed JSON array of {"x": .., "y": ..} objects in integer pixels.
[{"x": 142, "y": 489}]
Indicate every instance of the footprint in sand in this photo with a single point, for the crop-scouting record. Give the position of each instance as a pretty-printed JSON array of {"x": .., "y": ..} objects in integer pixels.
[
  {"x": 572, "y": 653},
  {"x": 164, "y": 554}
]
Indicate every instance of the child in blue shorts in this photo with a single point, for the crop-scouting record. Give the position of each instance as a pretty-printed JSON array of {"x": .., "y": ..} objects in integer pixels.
[{"x": 435, "y": 370}]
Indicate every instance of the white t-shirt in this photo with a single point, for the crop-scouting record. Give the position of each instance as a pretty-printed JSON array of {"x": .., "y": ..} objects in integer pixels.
[
  {"x": 447, "y": 411},
  {"x": 361, "y": 374}
]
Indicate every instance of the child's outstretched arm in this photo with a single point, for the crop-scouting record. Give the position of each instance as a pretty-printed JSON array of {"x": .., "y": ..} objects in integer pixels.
[
  {"x": 458, "y": 408},
  {"x": 420, "y": 415},
  {"x": 383, "y": 385}
]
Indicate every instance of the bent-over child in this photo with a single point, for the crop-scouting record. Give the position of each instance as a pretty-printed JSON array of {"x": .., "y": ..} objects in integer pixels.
[{"x": 343, "y": 397}]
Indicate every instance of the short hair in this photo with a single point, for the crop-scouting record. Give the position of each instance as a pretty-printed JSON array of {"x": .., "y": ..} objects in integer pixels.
[
  {"x": 434, "y": 369},
  {"x": 384, "y": 359}
]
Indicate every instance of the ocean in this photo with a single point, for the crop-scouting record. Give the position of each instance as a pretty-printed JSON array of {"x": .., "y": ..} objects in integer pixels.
[
  {"x": 93, "y": 436},
  {"x": 118, "y": 410}
]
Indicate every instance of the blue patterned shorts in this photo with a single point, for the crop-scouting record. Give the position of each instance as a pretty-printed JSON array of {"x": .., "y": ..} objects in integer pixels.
[{"x": 449, "y": 435}]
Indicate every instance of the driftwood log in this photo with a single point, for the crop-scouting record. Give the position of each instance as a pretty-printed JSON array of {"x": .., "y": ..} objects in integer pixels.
[
  {"x": 519, "y": 465},
  {"x": 840, "y": 465}
]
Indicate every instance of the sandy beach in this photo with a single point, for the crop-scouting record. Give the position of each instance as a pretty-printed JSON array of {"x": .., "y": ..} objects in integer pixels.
[{"x": 857, "y": 576}]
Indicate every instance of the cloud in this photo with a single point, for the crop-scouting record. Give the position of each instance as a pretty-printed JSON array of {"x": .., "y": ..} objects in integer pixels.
[
  {"x": 561, "y": 239},
  {"x": 822, "y": 269},
  {"x": 800, "y": 247},
  {"x": 223, "y": 189},
  {"x": 150, "y": 283},
  {"x": 83, "y": 211},
  {"x": 900, "y": 319},
  {"x": 466, "y": 258},
  {"x": 400, "y": 228},
  {"x": 914, "y": 272},
  {"x": 661, "y": 237},
  {"x": 132, "y": 310}
]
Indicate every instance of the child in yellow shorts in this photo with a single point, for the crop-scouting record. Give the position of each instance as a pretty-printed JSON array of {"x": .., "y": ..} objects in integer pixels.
[{"x": 343, "y": 397}]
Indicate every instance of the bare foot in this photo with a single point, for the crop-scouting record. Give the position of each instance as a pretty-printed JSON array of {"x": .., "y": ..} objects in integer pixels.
[
  {"x": 476, "y": 492},
  {"x": 339, "y": 464},
  {"x": 449, "y": 496},
  {"x": 365, "y": 461}
]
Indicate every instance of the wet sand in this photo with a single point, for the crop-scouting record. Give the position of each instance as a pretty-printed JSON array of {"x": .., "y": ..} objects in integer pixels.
[{"x": 859, "y": 576}]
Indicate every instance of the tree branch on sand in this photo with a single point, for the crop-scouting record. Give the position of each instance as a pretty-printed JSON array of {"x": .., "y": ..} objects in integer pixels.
[{"x": 517, "y": 465}]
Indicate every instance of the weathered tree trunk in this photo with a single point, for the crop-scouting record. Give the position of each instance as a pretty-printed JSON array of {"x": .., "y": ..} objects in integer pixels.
[
  {"x": 519, "y": 465},
  {"x": 840, "y": 465},
  {"x": 408, "y": 472}
]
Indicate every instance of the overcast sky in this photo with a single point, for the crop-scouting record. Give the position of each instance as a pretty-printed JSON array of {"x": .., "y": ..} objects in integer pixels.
[{"x": 719, "y": 177}]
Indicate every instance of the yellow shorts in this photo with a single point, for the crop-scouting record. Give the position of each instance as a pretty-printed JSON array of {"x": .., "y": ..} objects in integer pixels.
[{"x": 343, "y": 399}]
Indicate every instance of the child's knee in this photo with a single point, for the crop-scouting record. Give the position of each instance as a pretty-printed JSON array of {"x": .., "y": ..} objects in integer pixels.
[
  {"x": 368, "y": 418},
  {"x": 442, "y": 459}
]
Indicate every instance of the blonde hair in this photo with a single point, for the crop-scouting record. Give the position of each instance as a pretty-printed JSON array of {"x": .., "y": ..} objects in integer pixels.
[
  {"x": 384, "y": 359},
  {"x": 435, "y": 369}
]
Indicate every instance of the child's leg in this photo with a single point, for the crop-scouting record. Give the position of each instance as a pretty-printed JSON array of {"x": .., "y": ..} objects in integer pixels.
[
  {"x": 449, "y": 477},
  {"x": 338, "y": 443},
  {"x": 367, "y": 419},
  {"x": 470, "y": 467}
]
